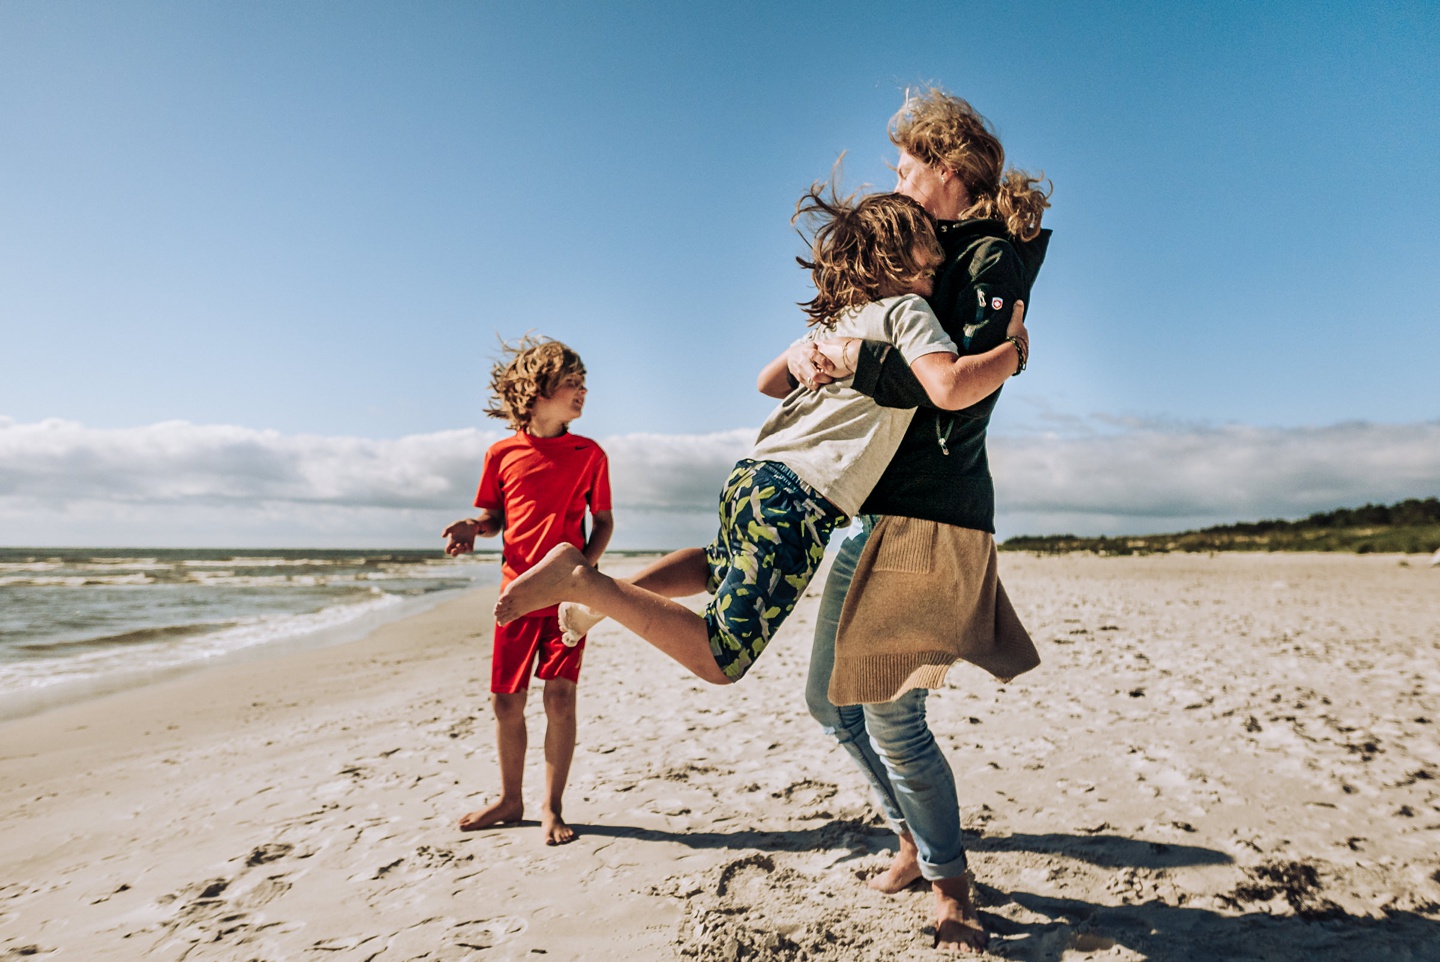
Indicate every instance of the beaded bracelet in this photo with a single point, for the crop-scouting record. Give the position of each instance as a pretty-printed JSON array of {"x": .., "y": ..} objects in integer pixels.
[{"x": 1020, "y": 350}]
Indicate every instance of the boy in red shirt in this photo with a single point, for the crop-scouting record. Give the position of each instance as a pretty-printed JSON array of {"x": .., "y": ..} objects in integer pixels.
[{"x": 537, "y": 486}]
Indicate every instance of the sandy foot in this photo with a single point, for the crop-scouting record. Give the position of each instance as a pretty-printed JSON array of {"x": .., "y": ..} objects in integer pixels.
[
  {"x": 548, "y": 583},
  {"x": 500, "y": 813},
  {"x": 903, "y": 869},
  {"x": 957, "y": 926},
  {"x": 557, "y": 832},
  {"x": 576, "y": 620}
]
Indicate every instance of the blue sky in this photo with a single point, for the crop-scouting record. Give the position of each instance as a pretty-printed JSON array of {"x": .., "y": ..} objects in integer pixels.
[{"x": 297, "y": 226}]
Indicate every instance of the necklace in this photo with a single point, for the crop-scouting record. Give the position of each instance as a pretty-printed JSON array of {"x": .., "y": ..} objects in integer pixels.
[{"x": 943, "y": 439}]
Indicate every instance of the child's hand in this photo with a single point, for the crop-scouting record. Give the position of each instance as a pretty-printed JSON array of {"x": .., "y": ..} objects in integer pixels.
[
  {"x": 1016, "y": 327},
  {"x": 460, "y": 536}
]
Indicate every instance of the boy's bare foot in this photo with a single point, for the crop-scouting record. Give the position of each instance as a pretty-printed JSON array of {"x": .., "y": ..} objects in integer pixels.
[
  {"x": 904, "y": 869},
  {"x": 576, "y": 620},
  {"x": 543, "y": 585},
  {"x": 957, "y": 924},
  {"x": 557, "y": 832},
  {"x": 499, "y": 813}
]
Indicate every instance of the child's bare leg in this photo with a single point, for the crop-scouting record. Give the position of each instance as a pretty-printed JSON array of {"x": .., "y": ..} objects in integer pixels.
[
  {"x": 563, "y": 575},
  {"x": 559, "y": 750},
  {"x": 510, "y": 738},
  {"x": 904, "y": 868},
  {"x": 957, "y": 924},
  {"x": 678, "y": 574}
]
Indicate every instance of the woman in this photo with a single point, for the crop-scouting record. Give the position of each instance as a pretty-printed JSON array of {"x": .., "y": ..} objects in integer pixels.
[{"x": 989, "y": 225}]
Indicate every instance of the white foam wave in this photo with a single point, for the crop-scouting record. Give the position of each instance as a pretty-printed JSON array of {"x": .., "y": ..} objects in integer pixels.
[
  {"x": 39, "y": 674},
  {"x": 74, "y": 581}
]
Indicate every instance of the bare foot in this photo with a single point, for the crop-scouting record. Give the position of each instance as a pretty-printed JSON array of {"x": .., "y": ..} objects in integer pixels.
[
  {"x": 505, "y": 810},
  {"x": 957, "y": 924},
  {"x": 556, "y": 831},
  {"x": 576, "y": 620},
  {"x": 543, "y": 585},
  {"x": 904, "y": 869}
]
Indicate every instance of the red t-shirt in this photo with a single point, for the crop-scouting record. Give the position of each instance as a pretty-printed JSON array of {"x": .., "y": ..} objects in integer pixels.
[{"x": 543, "y": 487}]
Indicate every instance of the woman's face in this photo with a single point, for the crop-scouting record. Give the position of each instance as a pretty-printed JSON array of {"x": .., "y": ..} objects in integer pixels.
[{"x": 927, "y": 187}]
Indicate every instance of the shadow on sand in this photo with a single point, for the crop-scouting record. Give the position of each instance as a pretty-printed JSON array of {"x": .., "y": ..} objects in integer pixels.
[
  {"x": 1152, "y": 930},
  {"x": 1168, "y": 933}
]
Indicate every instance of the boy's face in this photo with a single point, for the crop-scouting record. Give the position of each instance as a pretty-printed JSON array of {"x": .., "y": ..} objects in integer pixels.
[{"x": 564, "y": 404}]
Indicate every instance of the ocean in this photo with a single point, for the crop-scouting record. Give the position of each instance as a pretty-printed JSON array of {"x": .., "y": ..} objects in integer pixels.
[{"x": 80, "y": 622}]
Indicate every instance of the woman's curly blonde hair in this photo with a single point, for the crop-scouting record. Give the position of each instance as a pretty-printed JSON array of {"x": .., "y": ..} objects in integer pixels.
[
  {"x": 529, "y": 368},
  {"x": 942, "y": 130},
  {"x": 861, "y": 251}
]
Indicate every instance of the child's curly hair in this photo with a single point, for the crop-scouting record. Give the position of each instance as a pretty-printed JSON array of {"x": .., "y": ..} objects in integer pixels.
[
  {"x": 942, "y": 130},
  {"x": 528, "y": 368},
  {"x": 862, "y": 251}
]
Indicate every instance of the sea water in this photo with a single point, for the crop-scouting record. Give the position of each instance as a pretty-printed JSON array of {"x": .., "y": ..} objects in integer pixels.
[{"x": 78, "y": 622}]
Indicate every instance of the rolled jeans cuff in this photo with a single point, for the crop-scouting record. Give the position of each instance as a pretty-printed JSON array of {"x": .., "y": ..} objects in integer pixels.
[{"x": 954, "y": 868}]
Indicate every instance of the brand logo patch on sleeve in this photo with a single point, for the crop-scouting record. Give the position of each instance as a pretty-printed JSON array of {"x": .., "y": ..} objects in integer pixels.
[{"x": 996, "y": 303}]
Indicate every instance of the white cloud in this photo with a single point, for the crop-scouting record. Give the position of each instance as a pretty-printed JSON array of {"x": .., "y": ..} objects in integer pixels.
[
  {"x": 181, "y": 483},
  {"x": 1168, "y": 477},
  {"x": 186, "y": 484}
]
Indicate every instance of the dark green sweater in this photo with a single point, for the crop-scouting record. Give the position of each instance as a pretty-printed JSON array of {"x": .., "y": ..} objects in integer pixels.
[{"x": 941, "y": 473}]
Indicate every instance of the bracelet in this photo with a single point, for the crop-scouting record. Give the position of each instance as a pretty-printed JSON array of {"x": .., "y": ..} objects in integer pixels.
[{"x": 1020, "y": 350}]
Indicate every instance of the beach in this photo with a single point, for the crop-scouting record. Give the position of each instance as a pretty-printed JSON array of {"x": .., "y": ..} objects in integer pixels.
[{"x": 1231, "y": 756}]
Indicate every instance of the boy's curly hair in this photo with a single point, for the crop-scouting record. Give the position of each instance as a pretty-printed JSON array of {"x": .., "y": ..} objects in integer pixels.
[
  {"x": 861, "y": 251},
  {"x": 528, "y": 368},
  {"x": 942, "y": 130}
]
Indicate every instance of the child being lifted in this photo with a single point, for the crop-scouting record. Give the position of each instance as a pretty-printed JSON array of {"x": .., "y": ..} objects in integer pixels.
[{"x": 817, "y": 456}]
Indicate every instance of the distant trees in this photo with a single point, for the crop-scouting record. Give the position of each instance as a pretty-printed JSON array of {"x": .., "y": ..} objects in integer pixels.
[
  {"x": 1409, "y": 526},
  {"x": 1412, "y": 511}
]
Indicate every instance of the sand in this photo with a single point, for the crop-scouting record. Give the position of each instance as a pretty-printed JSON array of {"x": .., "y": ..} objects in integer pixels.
[{"x": 1227, "y": 757}]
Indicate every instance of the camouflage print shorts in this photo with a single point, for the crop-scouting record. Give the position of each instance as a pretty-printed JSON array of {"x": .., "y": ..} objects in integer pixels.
[{"x": 773, "y": 530}]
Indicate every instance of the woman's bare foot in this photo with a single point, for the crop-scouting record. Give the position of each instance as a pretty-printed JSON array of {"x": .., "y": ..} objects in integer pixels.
[
  {"x": 576, "y": 620},
  {"x": 548, "y": 583},
  {"x": 904, "y": 868},
  {"x": 556, "y": 831},
  {"x": 957, "y": 924},
  {"x": 505, "y": 810}
]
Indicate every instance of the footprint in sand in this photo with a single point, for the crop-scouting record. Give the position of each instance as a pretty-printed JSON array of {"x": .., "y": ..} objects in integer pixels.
[
  {"x": 488, "y": 933},
  {"x": 750, "y": 874},
  {"x": 264, "y": 892},
  {"x": 268, "y": 852},
  {"x": 807, "y": 791}
]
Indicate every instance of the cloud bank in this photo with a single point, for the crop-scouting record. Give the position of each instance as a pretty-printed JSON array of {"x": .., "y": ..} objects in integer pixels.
[{"x": 176, "y": 483}]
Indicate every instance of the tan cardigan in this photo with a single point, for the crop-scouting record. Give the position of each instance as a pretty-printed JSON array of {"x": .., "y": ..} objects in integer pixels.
[{"x": 924, "y": 595}]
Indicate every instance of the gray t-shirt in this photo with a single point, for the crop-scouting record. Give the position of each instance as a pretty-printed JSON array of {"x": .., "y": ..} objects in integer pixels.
[{"x": 836, "y": 439}]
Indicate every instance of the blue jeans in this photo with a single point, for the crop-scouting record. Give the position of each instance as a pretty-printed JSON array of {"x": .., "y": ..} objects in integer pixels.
[{"x": 890, "y": 741}]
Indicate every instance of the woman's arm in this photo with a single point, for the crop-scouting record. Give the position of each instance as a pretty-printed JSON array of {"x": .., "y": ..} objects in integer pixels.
[
  {"x": 775, "y": 379},
  {"x": 971, "y": 297},
  {"x": 802, "y": 363},
  {"x": 946, "y": 381},
  {"x": 954, "y": 383}
]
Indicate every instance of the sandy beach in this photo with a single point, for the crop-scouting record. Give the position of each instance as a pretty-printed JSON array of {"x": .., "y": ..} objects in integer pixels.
[{"x": 1221, "y": 757}]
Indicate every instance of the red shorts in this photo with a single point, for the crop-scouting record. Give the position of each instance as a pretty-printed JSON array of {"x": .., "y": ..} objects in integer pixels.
[{"x": 532, "y": 643}]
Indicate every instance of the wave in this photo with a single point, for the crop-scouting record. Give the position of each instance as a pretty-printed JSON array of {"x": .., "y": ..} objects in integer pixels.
[
  {"x": 168, "y": 649},
  {"x": 229, "y": 577},
  {"x": 139, "y": 636},
  {"x": 75, "y": 581}
]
